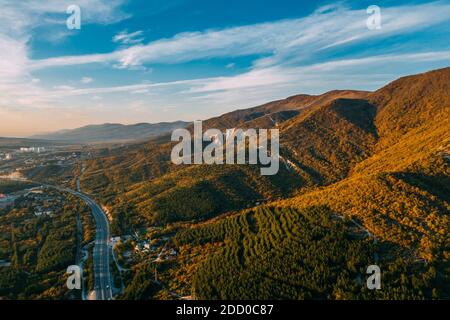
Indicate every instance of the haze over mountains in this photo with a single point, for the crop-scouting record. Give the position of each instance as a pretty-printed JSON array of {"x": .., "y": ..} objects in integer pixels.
[
  {"x": 15, "y": 143},
  {"x": 109, "y": 132},
  {"x": 264, "y": 116}
]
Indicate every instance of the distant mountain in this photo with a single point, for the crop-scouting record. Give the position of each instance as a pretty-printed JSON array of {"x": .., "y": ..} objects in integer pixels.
[
  {"x": 14, "y": 143},
  {"x": 110, "y": 132}
]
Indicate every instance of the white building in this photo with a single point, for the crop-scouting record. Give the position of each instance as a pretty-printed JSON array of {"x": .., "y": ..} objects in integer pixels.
[
  {"x": 32, "y": 149},
  {"x": 43, "y": 212},
  {"x": 115, "y": 241}
]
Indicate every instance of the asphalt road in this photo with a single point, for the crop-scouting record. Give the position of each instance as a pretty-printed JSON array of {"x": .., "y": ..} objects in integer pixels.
[
  {"x": 102, "y": 273},
  {"x": 101, "y": 254}
]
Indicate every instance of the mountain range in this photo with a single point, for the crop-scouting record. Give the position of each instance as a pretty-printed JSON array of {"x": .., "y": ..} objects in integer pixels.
[
  {"x": 112, "y": 132},
  {"x": 325, "y": 139},
  {"x": 364, "y": 178}
]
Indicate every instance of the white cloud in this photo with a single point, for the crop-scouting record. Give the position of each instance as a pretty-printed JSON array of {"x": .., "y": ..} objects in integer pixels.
[
  {"x": 140, "y": 91},
  {"x": 311, "y": 76},
  {"x": 126, "y": 38},
  {"x": 284, "y": 41},
  {"x": 21, "y": 16},
  {"x": 18, "y": 19},
  {"x": 86, "y": 80},
  {"x": 288, "y": 47},
  {"x": 13, "y": 58},
  {"x": 64, "y": 88}
]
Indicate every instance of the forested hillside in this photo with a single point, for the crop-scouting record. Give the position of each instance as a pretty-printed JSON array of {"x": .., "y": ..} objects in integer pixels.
[
  {"x": 40, "y": 247},
  {"x": 379, "y": 161},
  {"x": 284, "y": 253}
]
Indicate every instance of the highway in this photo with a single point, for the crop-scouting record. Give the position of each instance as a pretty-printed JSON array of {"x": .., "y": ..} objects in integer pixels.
[
  {"x": 101, "y": 253},
  {"x": 102, "y": 273}
]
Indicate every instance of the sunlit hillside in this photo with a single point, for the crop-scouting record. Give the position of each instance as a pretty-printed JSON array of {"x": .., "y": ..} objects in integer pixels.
[{"x": 376, "y": 161}]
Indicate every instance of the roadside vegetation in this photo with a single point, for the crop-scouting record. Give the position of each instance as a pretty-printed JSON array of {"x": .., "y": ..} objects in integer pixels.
[{"x": 39, "y": 248}]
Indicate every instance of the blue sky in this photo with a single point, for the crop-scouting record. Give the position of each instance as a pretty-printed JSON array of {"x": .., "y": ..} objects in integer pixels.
[{"x": 160, "y": 60}]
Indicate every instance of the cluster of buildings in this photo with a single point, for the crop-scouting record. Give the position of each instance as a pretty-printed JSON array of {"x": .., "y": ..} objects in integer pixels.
[
  {"x": 166, "y": 253},
  {"x": 157, "y": 248},
  {"x": 39, "y": 156},
  {"x": 143, "y": 246},
  {"x": 63, "y": 159},
  {"x": 40, "y": 211},
  {"x": 43, "y": 204},
  {"x": 115, "y": 240},
  {"x": 33, "y": 149},
  {"x": 6, "y": 156}
]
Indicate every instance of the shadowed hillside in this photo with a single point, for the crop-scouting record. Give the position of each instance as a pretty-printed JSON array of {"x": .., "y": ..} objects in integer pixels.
[{"x": 277, "y": 110}]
